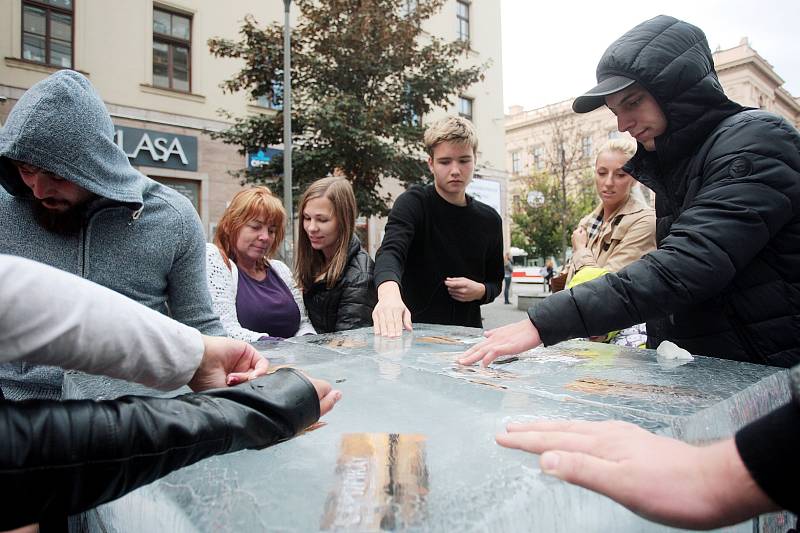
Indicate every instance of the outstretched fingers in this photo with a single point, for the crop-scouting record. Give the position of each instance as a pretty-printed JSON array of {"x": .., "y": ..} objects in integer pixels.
[
  {"x": 574, "y": 426},
  {"x": 542, "y": 441},
  {"x": 585, "y": 470},
  {"x": 327, "y": 402},
  {"x": 476, "y": 353},
  {"x": 407, "y": 319}
]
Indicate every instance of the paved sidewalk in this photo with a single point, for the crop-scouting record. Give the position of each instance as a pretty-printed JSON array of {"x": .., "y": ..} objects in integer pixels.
[{"x": 498, "y": 314}]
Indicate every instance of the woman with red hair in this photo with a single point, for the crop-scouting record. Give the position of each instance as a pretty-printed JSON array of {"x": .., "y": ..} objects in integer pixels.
[{"x": 254, "y": 295}]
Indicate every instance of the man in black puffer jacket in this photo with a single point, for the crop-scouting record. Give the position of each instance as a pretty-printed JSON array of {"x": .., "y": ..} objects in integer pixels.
[
  {"x": 725, "y": 279},
  {"x": 723, "y": 282}
]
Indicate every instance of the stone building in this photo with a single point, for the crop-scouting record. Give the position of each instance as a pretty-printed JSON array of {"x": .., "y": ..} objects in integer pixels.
[
  {"x": 746, "y": 77},
  {"x": 150, "y": 63}
]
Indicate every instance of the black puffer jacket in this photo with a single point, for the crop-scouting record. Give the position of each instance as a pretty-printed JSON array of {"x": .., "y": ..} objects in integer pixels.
[
  {"x": 725, "y": 280},
  {"x": 59, "y": 458},
  {"x": 349, "y": 303}
]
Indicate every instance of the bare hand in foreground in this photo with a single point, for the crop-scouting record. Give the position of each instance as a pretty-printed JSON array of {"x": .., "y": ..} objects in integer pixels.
[
  {"x": 390, "y": 315},
  {"x": 507, "y": 340},
  {"x": 580, "y": 239},
  {"x": 327, "y": 396},
  {"x": 227, "y": 362},
  {"x": 464, "y": 289},
  {"x": 659, "y": 478}
]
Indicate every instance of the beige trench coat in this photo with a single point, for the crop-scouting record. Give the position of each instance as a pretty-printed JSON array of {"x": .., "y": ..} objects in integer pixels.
[{"x": 629, "y": 233}]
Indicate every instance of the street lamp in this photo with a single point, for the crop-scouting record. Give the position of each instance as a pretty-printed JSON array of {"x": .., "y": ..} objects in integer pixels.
[{"x": 287, "y": 132}]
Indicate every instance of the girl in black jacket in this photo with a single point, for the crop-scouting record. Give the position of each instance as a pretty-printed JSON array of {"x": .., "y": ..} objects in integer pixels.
[{"x": 332, "y": 270}]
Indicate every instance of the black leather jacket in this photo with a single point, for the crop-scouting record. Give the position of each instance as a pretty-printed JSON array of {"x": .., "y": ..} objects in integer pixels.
[
  {"x": 349, "y": 303},
  {"x": 724, "y": 280},
  {"x": 60, "y": 458}
]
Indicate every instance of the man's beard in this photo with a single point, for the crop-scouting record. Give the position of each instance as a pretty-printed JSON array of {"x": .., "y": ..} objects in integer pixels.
[{"x": 66, "y": 223}]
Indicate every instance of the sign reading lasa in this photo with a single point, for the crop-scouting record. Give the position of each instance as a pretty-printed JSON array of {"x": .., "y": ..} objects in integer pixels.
[
  {"x": 147, "y": 148},
  {"x": 263, "y": 157}
]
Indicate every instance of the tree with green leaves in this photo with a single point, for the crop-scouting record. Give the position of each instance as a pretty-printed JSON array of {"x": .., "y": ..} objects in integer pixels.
[
  {"x": 363, "y": 75},
  {"x": 557, "y": 197},
  {"x": 541, "y": 222}
]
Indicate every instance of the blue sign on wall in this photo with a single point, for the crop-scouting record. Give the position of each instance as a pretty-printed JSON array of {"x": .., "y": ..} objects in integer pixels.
[{"x": 263, "y": 157}]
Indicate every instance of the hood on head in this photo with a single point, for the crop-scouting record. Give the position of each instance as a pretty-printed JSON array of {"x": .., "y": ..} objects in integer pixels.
[
  {"x": 671, "y": 59},
  {"x": 61, "y": 125}
]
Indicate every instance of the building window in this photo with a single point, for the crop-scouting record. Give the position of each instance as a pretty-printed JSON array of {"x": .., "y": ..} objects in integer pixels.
[
  {"x": 515, "y": 163},
  {"x": 538, "y": 157},
  {"x": 462, "y": 15},
  {"x": 273, "y": 101},
  {"x": 47, "y": 32},
  {"x": 516, "y": 202},
  {"x": 188, "y": 188},
  {"x": 408, "y": 7},
  {"x": 172, "y": 47},
  {"x": 586, "y": 147},
  {"x": 410, "y": 114},
  {"x": 465, "y": 107}
]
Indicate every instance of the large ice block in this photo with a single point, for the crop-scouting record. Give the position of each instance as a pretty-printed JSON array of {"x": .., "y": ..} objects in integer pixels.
[{"x": 411, "y": 444}]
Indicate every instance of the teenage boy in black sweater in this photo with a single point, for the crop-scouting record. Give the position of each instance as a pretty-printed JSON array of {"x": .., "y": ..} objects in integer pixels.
[{"x": 442, "y": 253}]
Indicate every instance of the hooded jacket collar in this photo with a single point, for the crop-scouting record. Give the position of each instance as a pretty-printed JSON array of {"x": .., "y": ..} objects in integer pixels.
[
  {"x": 671, "y": 59},
  {"x": 61, "y": 125}
]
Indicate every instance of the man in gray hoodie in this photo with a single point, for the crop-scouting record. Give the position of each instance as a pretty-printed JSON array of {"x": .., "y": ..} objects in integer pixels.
[{"x": 71, "y": 199}]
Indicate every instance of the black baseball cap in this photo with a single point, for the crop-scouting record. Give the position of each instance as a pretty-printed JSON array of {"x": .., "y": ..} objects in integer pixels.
[{"x": 595, "y": 97}]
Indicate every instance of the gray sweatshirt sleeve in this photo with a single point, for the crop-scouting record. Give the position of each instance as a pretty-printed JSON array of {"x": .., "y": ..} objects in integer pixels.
[
  {"x": 51, "y": 317},
  {"x": 188, "y": 297}
]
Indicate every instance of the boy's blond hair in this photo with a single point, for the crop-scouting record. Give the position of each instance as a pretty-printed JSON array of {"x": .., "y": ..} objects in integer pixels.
[{"x": 451, "y": 129}]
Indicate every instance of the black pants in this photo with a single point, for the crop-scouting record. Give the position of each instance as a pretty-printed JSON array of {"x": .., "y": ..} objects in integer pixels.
[{"x": 507, "y": 288}]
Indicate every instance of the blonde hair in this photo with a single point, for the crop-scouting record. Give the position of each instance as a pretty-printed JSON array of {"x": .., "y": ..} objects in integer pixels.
[
  {"x": 309, "y": 263},
  {"x": 626, "y": 147},
  {"x": 620, "y": 144},
  {"x": 453, "y": 129},
  {"x": 250, "y": 204}
]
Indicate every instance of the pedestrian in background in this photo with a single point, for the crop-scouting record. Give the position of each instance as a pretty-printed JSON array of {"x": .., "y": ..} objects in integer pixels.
[{"x": 508, "y": 266}]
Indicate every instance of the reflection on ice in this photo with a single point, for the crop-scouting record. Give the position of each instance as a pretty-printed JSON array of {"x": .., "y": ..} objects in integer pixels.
[
  {"x": 411, "y": 444},
  {"x": 381, "y": 483}
]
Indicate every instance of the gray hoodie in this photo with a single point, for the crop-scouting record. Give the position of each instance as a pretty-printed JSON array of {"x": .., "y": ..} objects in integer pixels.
[{"x": 140, "y": 238}]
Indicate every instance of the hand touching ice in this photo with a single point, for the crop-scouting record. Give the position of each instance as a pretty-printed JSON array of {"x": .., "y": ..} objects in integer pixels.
[
  {"x": 390, "y": 316},
  {"x": 659, "y": 478},
  {"x": 227, "y": 362},
  {"x": 326, "y": 394},
  {"x": 507, "y": 340}
]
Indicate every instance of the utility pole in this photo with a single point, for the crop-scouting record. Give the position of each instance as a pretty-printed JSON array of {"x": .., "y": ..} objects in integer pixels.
[{"x": 287, "y": 134}]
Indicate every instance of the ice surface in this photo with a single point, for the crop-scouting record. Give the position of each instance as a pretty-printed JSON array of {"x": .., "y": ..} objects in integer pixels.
[{"x": 411, "y": 444}]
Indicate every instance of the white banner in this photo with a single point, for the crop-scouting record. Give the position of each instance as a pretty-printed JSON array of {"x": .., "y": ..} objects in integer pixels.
[{"x": 486, "y": 191}]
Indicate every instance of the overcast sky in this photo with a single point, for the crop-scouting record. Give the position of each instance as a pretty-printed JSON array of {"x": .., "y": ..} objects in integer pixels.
[{"x": 551, "y": 47}]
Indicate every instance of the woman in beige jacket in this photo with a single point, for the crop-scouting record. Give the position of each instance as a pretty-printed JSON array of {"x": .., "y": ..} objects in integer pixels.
[
  {"x": 622, "y": 228},
  {"x": 618, "y": 232}
]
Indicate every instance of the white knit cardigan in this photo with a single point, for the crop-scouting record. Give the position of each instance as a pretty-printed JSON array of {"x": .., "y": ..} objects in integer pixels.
[{"x": 223, "y": 283}]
